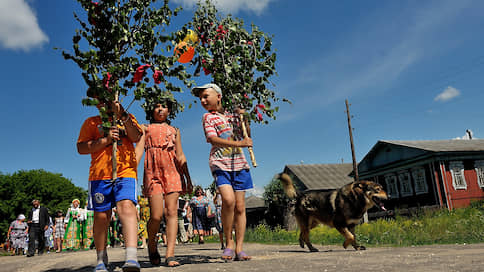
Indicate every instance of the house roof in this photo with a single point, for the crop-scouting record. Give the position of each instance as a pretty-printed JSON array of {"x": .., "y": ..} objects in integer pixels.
[
  {"x": 253, "y": 202},
  {"x": 443, "y": 145},
  {"x": 322, "y": 176}
]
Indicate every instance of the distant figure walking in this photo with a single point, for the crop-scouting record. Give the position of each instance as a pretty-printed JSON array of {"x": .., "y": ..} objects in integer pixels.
[
  {"x": 199, "y": 207},
  {"x": 17, "y": 233},
  {"x": 59, "y": 230},
  {"x": 38, "y": 220},
  {"x": 73, "y": 225}
]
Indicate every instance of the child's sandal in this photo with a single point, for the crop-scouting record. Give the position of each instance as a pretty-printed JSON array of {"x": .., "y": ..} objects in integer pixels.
[
  {"x": 228, "y": 254},
  {"x": 171, "y": 262},
  {"x": 242, "y": 256}
]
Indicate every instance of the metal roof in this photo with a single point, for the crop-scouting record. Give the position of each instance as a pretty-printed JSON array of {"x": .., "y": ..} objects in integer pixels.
[
  {"x": 443, "y": 145},
  {"x": 253, "y": 202},
  {"x": 322, "y": 176}
]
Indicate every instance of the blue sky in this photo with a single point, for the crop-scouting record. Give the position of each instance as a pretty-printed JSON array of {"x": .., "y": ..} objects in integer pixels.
[{"x": 412, "y": 70}]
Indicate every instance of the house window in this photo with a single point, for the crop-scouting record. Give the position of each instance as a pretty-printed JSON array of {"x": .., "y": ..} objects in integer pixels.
[
  {"x": 392, "y": 188},
  {"x": 479, "y": 165},
  {"x": 458, "y": 179},
  {"x": 420, "y": 181},
  {"x": 405, "y": 184}
]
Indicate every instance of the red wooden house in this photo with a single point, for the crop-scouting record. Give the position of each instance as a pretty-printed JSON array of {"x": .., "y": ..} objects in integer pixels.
[{"x": 447, "y": 173}]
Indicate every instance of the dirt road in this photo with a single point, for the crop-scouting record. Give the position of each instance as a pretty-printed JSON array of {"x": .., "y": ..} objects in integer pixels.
[{"x": 194, "y": 257}]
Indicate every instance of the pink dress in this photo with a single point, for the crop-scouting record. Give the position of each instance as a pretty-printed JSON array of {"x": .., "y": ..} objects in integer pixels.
[{"x": 160, "y": 173}]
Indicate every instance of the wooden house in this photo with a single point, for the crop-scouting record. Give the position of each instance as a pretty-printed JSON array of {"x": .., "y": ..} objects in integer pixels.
[
  {"x": 255, "y": 210},
  {"x": 445, "y": 173}
]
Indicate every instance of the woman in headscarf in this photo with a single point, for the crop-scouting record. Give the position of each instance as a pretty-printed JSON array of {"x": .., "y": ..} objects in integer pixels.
[
  {"x": 73, "y": 226},
  {"x": 18, "y": 232},
  {"x": 87, "y": 229}
]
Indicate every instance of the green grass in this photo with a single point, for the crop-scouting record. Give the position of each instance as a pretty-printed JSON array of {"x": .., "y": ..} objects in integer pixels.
[{"x": 464, "y": 225}]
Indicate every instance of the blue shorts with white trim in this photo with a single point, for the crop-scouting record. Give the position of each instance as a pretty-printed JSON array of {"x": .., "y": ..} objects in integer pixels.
[
  {"x": 104, "y": 194},
  {"x": 239, "y": 180}
]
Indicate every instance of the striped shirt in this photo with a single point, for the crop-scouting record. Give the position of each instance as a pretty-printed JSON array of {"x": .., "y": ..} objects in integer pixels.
[{"x": 225, "y": 127}]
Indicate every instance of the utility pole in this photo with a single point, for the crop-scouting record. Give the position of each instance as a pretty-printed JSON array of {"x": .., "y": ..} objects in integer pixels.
[{"x": 355, "y": 168}]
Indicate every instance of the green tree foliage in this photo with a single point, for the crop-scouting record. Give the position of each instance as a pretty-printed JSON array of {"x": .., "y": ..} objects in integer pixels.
[
  {"x": 274, "y": 194},
  {"x": 123, "y": 45},
  {"x": 241, "y": 62},
  {"x": 17, "y": 191},
  {"x": 277, "y": 203}
]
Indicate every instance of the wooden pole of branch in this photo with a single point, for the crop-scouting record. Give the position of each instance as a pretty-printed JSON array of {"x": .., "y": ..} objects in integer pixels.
[
  {"x": 115, "y": 143},
  {"x": 251, "y": 150}
]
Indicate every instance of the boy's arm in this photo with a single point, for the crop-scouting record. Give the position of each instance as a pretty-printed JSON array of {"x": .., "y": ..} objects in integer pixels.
[
  {"x": 96, "y": 145},
  {"x": 220, "y": 142}
]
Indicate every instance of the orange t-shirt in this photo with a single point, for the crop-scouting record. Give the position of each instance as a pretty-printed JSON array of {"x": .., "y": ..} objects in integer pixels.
[{"x": 101, "y": 163}]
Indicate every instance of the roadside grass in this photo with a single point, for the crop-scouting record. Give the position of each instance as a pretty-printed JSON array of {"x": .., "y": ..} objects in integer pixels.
[{"x": 465, "y": 225}]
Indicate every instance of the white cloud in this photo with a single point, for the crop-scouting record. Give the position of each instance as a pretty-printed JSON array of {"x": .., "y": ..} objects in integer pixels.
[
  {"x": 256, "y": 191},
  {"x": 19, "y": 28},
  {"x": 468, "y": 136},
  {"x": 448, "y": 94},
  {"x": 232, "y": 6}
]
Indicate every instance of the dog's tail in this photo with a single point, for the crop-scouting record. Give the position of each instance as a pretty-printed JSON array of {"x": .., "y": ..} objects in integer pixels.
[{"x": 287, "y": 185}]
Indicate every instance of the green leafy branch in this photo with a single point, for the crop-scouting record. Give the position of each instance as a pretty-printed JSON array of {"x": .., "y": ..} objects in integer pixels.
[
  {"x": 240, "y": 62},
  {"x": 119, "y": 45}
]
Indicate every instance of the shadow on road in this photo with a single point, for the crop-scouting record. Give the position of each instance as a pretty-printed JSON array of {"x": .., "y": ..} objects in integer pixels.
[
  {"x": 82, "y": 269},
  {"x": 307, "y": 251}
]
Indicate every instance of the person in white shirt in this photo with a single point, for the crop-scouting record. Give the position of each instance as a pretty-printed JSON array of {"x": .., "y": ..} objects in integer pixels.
[{"x": 38, "y": 221}]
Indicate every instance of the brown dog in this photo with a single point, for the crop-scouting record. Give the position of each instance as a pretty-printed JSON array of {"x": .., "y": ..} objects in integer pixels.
[{"x": 341, "y": 209}]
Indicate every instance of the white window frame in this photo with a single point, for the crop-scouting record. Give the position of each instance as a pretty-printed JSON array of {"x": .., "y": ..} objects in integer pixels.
[
  {"x": 420, "y": 181},
  {"x": 406, "y": 188},
  {"x": 392, "y": 186},
  {"x": 479, "y": 166},
  {"x": 457, "y": 170}
]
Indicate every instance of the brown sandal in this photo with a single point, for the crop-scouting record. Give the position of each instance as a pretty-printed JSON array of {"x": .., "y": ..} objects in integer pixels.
[{"x": 171, "y": 262}]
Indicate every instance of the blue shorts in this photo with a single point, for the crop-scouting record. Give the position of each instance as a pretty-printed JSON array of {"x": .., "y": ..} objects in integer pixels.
[
  {"x": 104, "y": 194},
  {"x": 239, "y": 180}
]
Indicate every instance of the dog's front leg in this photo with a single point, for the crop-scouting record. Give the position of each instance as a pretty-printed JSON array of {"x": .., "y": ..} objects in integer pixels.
[
  {"x": 355, "y": 244},
  {"x": 349, "y": 237}
]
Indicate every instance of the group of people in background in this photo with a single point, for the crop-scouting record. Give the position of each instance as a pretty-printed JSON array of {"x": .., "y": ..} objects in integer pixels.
[
  {"x": 73, "y": 230},
  {"x": 60, "y": 232},
  {"x": 165, "y": 179}
]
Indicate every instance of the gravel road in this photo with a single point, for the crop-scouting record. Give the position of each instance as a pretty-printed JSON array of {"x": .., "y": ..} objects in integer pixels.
[{"x": 194, "y": 257}]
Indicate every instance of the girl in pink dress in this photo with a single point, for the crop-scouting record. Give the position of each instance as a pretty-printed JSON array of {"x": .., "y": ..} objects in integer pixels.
[{"x": 165, "y": 177}]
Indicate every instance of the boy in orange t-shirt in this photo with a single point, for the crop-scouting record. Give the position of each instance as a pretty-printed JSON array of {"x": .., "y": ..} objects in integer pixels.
[{"x": 105, "y": 193}]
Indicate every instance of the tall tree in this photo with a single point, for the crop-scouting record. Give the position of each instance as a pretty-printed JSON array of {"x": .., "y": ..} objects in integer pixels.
[
  {"x": 17, "y": 191},
  {"x": 277, "y": 203}
]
